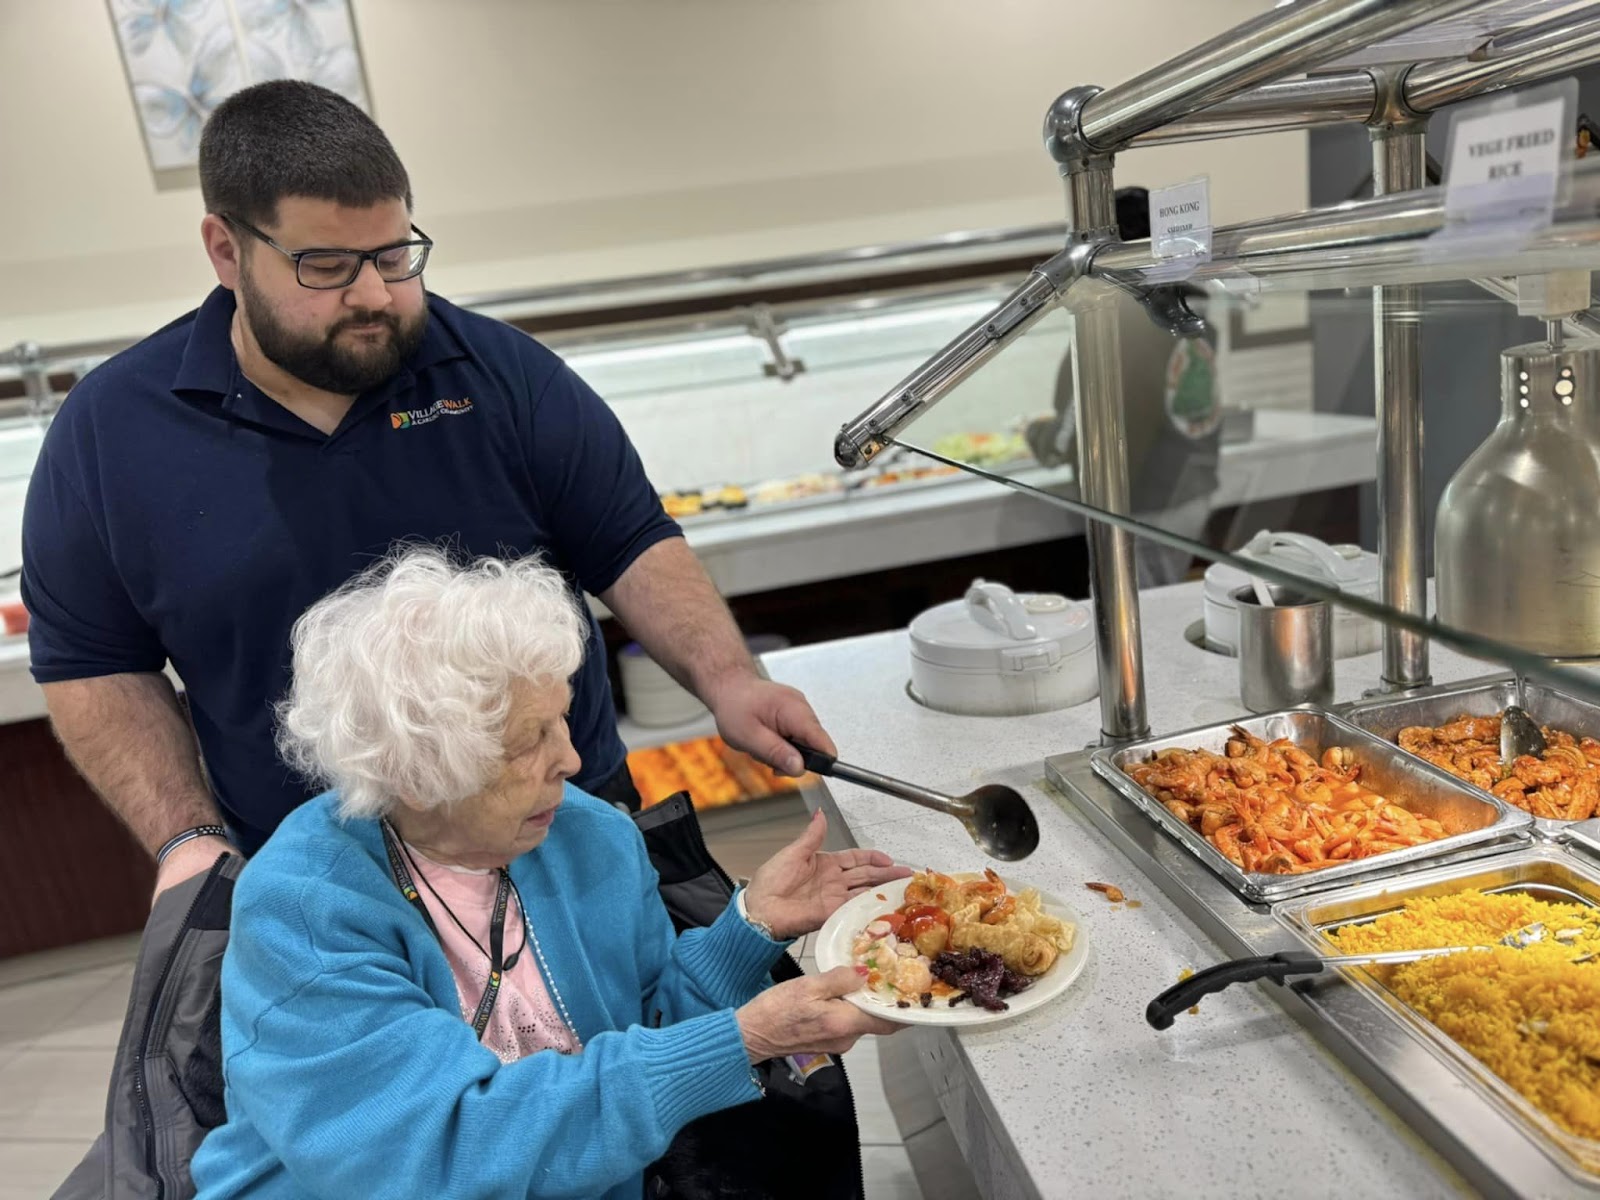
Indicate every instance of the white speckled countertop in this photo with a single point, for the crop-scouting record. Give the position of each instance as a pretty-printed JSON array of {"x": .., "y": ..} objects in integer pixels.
[{"x": 1082, "y": 1097}]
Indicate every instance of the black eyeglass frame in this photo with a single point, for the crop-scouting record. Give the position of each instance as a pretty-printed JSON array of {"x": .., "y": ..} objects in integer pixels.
[{"x": 362, "y": 257}]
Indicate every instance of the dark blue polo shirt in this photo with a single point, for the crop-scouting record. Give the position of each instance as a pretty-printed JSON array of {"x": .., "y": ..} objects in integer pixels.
[{"x": 177, "y": 512}]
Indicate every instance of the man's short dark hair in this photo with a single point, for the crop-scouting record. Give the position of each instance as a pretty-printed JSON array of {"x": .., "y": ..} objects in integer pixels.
[{"x": 290, "y": 138}]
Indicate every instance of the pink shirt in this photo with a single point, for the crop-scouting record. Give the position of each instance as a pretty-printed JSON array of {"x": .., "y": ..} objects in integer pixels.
[{"x": 524, "y": 1019}]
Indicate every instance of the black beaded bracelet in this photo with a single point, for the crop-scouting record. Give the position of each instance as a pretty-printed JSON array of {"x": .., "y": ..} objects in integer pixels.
[{"x": 188, "y": 835}]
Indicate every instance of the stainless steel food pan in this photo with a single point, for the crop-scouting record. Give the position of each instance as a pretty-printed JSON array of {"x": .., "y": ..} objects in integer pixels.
[
  {"x": 1477, "y": 823},
  {"x": 1437, "y": 706},
  {"x": 1544, "y": 871}
]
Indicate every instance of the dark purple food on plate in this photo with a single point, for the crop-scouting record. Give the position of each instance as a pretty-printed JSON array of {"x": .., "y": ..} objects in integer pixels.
[{"x": 982, "y": 975}]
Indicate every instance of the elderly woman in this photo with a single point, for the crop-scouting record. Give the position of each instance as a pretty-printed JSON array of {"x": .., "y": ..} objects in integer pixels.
[{"x": 452, "y": 974}]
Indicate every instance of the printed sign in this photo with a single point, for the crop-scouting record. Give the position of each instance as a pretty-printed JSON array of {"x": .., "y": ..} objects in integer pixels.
[
  {"x": 1180, "y": 220},
  {"x": 1506, "y": 159}
]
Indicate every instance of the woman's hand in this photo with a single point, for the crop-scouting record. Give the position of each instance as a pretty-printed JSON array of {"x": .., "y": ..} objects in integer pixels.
[
  {"x": 808, "y": 1016},
  {"x": 797, "y": 889}
]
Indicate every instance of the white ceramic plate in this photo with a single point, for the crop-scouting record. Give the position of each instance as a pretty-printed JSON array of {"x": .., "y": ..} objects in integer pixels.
[{"x": 833, "y": 950}]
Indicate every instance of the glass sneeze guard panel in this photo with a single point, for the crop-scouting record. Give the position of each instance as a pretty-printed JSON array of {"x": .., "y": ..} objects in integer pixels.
[{"x": 1281, "y": 462}]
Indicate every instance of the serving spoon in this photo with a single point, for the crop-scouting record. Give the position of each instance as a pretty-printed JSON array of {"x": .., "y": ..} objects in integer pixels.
[
  {"x": 1164, "y": 1009},
  {"x": 996, "y": 817},
  {"x": 1519, "y": 733}
]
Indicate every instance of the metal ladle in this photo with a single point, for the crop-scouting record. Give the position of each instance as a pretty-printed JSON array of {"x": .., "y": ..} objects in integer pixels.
[
  {"x": 997, "y": 817},
  {"x": 1519, "y": 733}
]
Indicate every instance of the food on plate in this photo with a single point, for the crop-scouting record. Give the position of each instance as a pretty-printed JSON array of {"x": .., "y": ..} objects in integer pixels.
[
  {"x": 1109, "y": 890},
  {"x": 959, "y": 936},
  {"x": 1272, "y": 808},
  {"x": 1562, "y": 784},
  {"x": 1028, "y": 954},
  {"x": 1526, "y": 1012},
  {"x": 981, "y": 976}
]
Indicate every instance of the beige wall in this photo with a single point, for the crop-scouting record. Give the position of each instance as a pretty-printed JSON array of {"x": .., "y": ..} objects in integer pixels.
[{"x": 554, "y": 140}]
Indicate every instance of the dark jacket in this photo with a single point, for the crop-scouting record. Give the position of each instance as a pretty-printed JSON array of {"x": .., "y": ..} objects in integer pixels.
[{"x": 166, "y": 1082}]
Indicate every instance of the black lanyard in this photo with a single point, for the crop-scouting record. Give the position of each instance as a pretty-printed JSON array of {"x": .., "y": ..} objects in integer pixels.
[{"x": 497, "y": 926}]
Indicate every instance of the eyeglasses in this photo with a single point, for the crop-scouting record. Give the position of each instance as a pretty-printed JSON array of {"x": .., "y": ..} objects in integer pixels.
[{"x": 327, "y": 269}]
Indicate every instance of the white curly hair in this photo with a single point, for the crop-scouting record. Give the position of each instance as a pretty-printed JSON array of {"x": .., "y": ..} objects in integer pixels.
[{"x": 402, "y": 676}]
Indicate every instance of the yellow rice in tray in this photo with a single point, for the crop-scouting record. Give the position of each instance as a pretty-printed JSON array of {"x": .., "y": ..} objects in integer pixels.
[{"x": 1530, "y": 1015}]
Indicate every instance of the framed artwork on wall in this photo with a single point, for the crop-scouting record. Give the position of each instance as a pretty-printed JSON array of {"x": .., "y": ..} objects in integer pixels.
[{"x": 184, "y": 57}]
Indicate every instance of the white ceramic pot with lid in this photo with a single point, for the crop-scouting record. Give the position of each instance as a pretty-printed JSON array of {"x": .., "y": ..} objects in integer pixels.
[
  {"x": 1348, "y": 568},
  {"x": 997, "y": 653}
]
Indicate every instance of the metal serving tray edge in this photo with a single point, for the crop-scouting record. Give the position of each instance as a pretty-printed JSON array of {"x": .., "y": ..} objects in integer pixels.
[
  {"x": 1487, "y": 822},
  {"x": 1386, "y": 717},
  {"x": 1583, "y": 837},
  {"x": 1310, "y": 918}
]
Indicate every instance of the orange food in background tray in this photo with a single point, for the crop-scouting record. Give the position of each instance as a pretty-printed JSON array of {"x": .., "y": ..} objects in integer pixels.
[
  {"x": 1273, "y": 809},
  {"x": 713, "y": 773},
  {"x": 1562, "y": 784}
]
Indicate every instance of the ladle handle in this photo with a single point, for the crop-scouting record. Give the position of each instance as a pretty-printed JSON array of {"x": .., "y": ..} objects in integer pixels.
[{"x": 825, "y": 764}]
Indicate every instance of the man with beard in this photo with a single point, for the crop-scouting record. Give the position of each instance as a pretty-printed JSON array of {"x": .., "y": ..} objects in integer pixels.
[{"x": 201, "y": 490}]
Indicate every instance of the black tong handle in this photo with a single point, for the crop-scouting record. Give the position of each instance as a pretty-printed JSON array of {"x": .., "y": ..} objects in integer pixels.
[
  {"x": 815, "y": 761},
  {"x": 1164, "y": 1009}
]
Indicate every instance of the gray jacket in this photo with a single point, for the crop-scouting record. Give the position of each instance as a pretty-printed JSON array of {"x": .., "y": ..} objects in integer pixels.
[{"x": 166, "y": 1083}]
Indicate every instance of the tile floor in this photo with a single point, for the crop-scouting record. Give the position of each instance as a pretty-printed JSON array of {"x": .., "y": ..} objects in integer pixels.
[{"x": 61, "y": 1013}]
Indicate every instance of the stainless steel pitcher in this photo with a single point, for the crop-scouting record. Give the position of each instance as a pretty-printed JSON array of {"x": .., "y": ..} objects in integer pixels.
[
  {"x": 1285, "y": 650},
  {"x": 1517, "y": 542}
]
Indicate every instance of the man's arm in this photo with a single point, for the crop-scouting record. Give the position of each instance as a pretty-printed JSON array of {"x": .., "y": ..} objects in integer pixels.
[
  {"x": 129, "y": 738},
  {"x": 668, "y": 602}
]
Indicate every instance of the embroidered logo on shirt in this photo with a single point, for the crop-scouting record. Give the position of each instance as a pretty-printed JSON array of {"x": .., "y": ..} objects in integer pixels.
[{"x": 421, "y": 416}]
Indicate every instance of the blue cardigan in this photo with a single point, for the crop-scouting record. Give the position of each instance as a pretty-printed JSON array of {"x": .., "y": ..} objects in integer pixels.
[{"x": 350, "y": 1072}]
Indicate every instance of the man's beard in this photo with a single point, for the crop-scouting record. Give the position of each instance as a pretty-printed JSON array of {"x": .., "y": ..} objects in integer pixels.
[{"x": 319, "y": 361}]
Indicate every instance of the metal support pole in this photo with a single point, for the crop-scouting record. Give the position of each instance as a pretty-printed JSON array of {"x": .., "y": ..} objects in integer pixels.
[
  {"x": 1399, "y": 165},
  {"x": 1103, "y": 460},
  {"x": 35, "y": 380}
]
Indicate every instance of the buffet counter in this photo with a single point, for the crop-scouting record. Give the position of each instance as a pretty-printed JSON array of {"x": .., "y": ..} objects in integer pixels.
[
  {"x": 1082, "y": 1097},
  {"x": 758, "y": 550},
  {"x": 1292, "y": 453}
]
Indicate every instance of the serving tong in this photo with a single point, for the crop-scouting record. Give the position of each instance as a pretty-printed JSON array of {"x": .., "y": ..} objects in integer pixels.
[{"x": 1164, "y": 1009}]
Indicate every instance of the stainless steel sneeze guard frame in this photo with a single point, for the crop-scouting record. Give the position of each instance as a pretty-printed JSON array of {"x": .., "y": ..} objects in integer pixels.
[
  {"x": 1377, "y": 244},
  {"x": 1357, "y": 252},
  {"x": 1279, "y": 42},
  {"x": 1467, "y": 1127},
  {"x": 1477, "y": 824},
  {"x": 1386, "y": 717},
  {"x": 1549, "y": 873}
]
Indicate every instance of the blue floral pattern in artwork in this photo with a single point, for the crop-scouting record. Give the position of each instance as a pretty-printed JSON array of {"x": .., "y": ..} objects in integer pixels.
[{"x": 184, "y": 57}]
